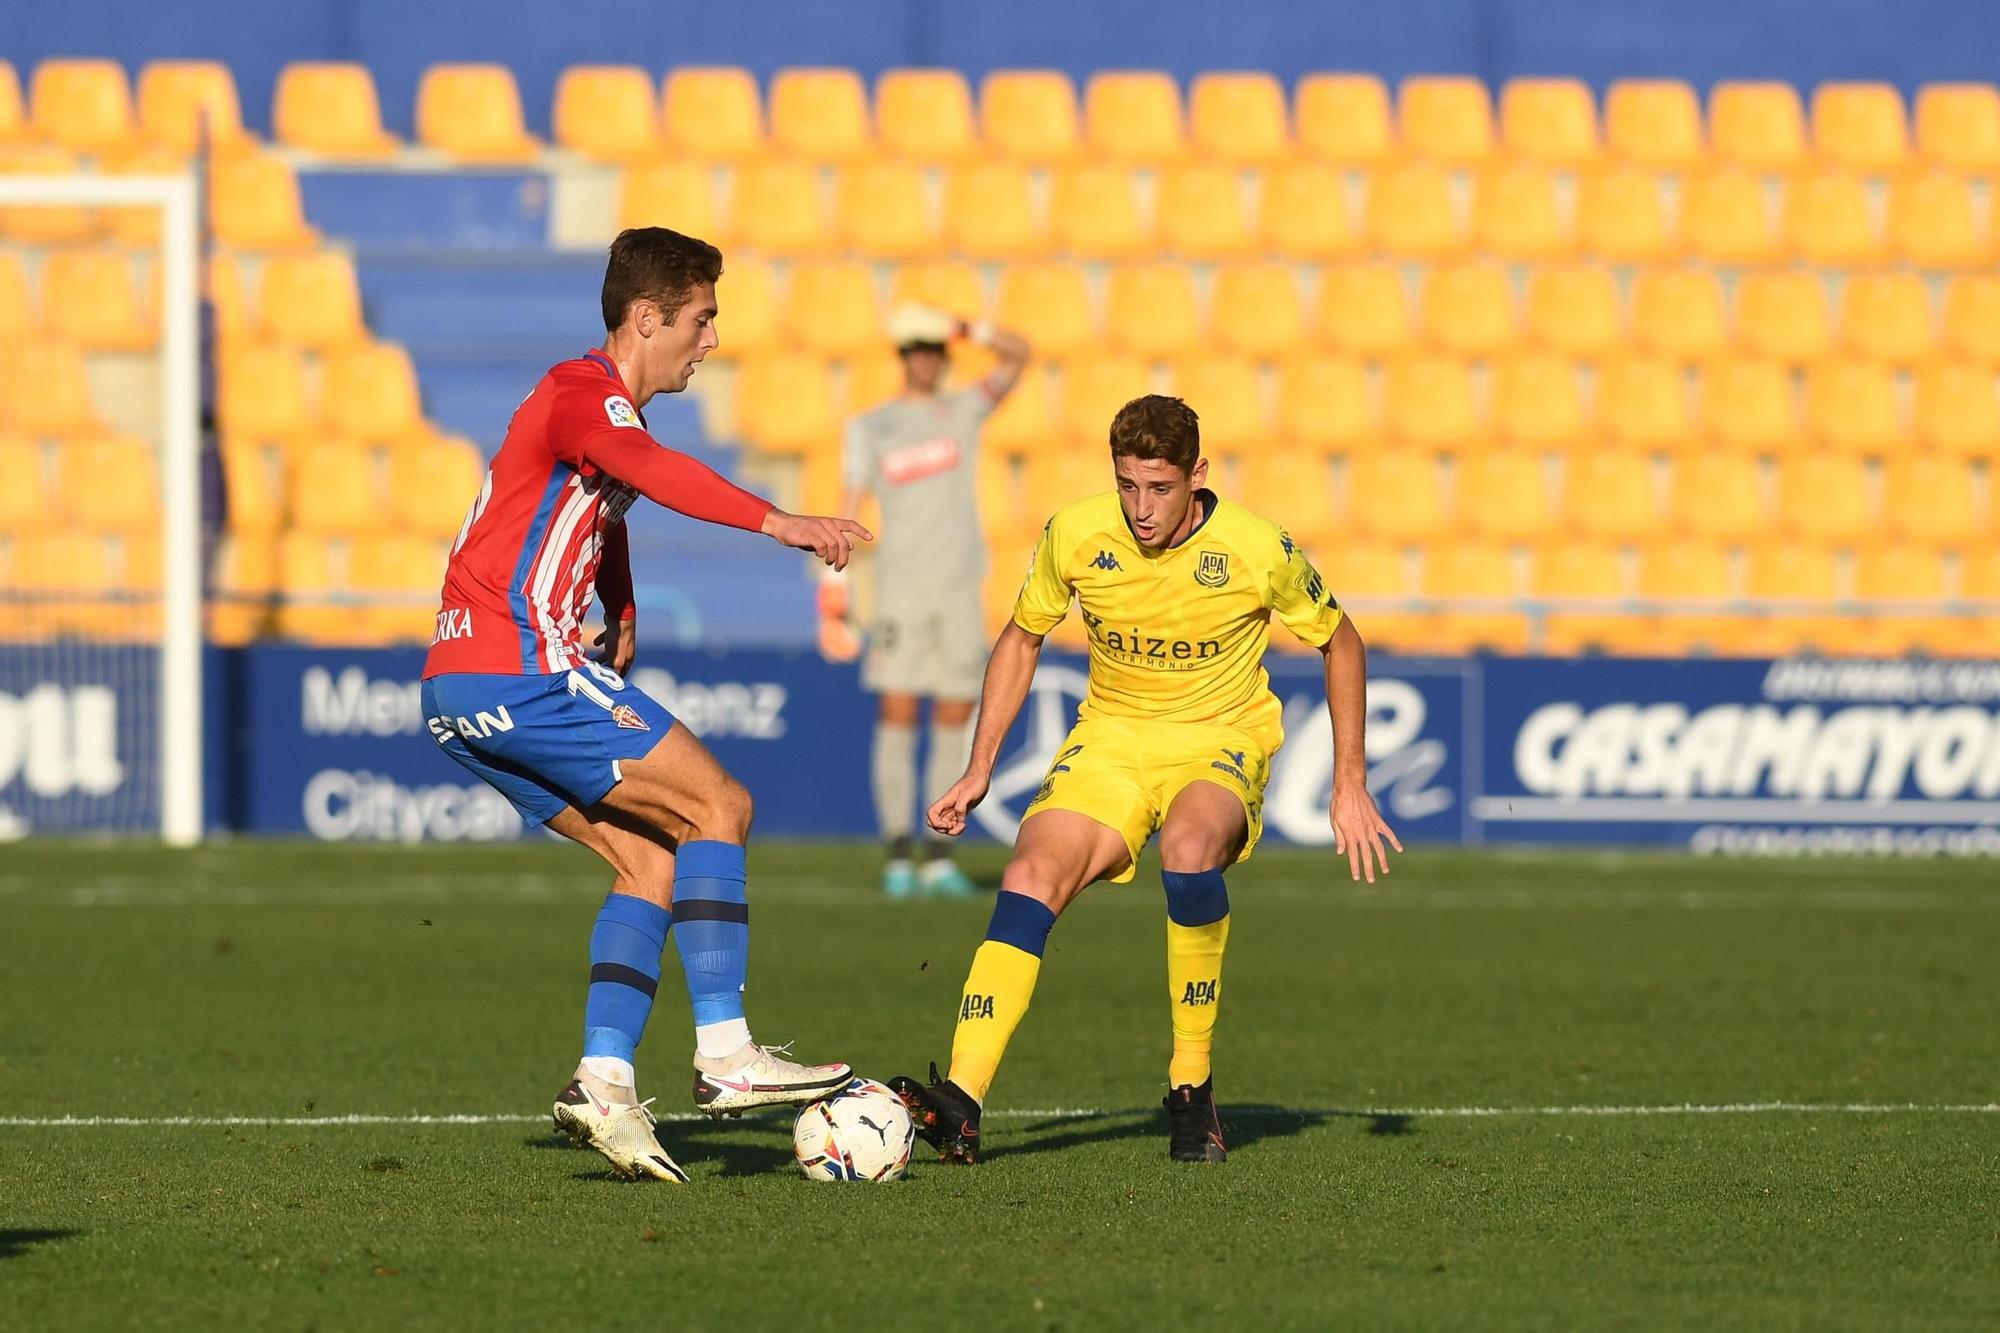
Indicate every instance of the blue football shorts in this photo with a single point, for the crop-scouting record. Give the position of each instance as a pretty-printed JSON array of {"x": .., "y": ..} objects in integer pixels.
[{"x": 544, "y": 742}]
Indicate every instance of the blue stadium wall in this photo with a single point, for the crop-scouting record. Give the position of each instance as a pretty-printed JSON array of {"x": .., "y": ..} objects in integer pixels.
[{"x": 1805, "y": 41}]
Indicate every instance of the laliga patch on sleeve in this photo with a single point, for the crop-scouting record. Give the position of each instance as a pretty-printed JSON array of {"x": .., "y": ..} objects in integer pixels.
[{"x": 622, "y": 413}]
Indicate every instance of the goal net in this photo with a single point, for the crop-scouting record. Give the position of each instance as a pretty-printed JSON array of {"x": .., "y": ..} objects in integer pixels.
[{"x": 100, "y": 507}]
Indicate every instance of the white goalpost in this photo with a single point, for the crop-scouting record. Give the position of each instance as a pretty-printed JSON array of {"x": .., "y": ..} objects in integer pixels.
[{"x": 178, "y": 695}]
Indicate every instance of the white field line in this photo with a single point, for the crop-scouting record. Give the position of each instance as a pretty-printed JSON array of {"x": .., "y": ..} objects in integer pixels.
[{"x": 1069, "y": 1113}]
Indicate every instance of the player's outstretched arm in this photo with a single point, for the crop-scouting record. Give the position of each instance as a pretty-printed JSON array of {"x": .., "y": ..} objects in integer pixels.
[
  {"x": 1358, "y": 828},
  {"x": 1009, "y": 673},
  {"x": 831, "y": 539}
]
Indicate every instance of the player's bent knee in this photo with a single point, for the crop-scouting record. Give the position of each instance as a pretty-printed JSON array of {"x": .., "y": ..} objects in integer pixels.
[
  {"x": 722, "y": 815},
  {"x": 1032, "y": 877},
  {"x": 1187, "y": 850}
]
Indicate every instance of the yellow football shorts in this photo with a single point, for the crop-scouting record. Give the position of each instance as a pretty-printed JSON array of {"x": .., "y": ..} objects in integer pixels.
[{"x": 1125, "y": 774}]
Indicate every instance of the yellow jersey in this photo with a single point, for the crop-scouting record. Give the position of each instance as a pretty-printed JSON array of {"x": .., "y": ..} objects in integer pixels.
[{"x": 1177, "y": 635}]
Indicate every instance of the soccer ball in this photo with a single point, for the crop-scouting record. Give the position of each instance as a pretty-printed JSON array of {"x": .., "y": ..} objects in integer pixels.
[{"x": 861, "y": 1132}]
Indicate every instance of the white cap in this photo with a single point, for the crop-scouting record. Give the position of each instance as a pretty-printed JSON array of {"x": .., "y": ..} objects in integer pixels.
[{"x": 913, "y": 323}]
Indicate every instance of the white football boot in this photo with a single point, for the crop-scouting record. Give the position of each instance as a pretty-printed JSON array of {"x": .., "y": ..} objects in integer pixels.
[
  {"x": 762, "y": 1076},
  {"x": 622, "y": 1132}
]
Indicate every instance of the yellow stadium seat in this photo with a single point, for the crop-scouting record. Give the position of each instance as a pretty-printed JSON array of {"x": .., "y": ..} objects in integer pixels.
[
  {"x": 252, "y": 487},
  {"x": 45, "y": 224},
  {"x": 1324, "y": 403},
  {"x": 17, "y": 309},
  {"x": 1727, "y": 218},
  {"x": 1549, "y": 120},
  {"x": 330, "y": 107},
  {"x": 1366, "y": 571},
  {"x": 1611, "y": 496},
  {"x": 1824, "y": 498},
  {"x": 1344, "y": 119},
  {"x": 609, "y": 113},
  {"x": 1692, "y": 578},
  {"x": 1055, "y": 479},
  {"x": 228, "y": 297},
  {"x": 1748, "y": 404},
  {"x": 253, "y": 202},
  {"x": 1410, "y": 212},
  {"x": 747, "y": 303},
  {"x": 1095, "y": 212},
  {"x": 1428, "y": 401},
  {"x": 1573, "y": 309},
  {"x": 1291, "y": 487},
  {"x": 1536, "y": 402},
  {"x": 1134, "y": 115},
  {"x": 1972, "y": 317},
  {"x": 1620, "y": 217},
  {"x": 1446, "y": 118},
  {"x": 883, "y": 211},
  {"x": 925, "y": 115},
  {"x": 92, "y": 298},
  {"x": 832, "y": 308},
  {"x": 1783, "y": 315},
  {"x": 1643, "y": 402},
  {"x": 784, "y": 403},
  {"x": 1239, "y": 117},
  {"x": 1933, "y": 500},
  {"x": 1718, "y": 497},
  {"x": 1225, "y": 393},
  {"x": 44, "y": 388},
  {"x": 1582, "y": 572},
  {"x": 1957, "y": 410},
  {"x": 397, "y": 577},
  {"x": 312, "y": 592},
  {"x": 712, "y": 113},
  {"x": 1473, "y": 571},
  {"x": 331, "y": 487},
  {"x": 1792, "y": 571},
  {"x": 245, "y": 582},
  {"x": 1514, "y": 213},
  {"x": 1052, "y": 300},
  {"x": 1932, "y": 222},
  {"x": 1851, "y": 406},
  {"x": 1678, "y": 312},
  {"x": 1397, "y": 495},
  {"x": 1468, "y": 308},
  {"x": 990, "y": 212},
  {"x": 1257, "y": 309},
  {"x": 1860, "y": 126},
  {"x": 1828, "y": 223},
  {"x": 138, "y": 226},
  {"x": 1150, "y": 309},
  {"x": 1758, "y": 124},
  {"x": 473, "y": 113},
  {"x": 82, "y": 105},
  {"x": 13, "y": 110},
  {"x": 1898, "y": 574},
  {"x": 1958, "y": 126},
  {"x": 679, "y": 195},
  {"x": 1365, "y": 310},
  {"x": 1654, "y": 123},
  {"x": 1025, "y": 420},
  {"x": 184, "y": 103},
  {"x": 108, "y": 482},
  {"x": 311, "y": 300},
  {"x": 947, "y": 284},
  {"x": 1503, "y": 495},
  {"x": 370, "y": 392},
  {"x": 1030, "y": 115},
  {"x": 261, "y": 392},
  {"x": 820, "y": 114},
  {"x": 872, "y": 377},
  {"x": 67, "y": 573},
  {"x": 1094, "y": 388},
  {"x": 1201, "y": 213},
  {"x": 433, "y": 479},
  {"x": 1305, "y": 214},
  {"x": 1888, "y": 316},
  {"x": 781, "y": 210}
]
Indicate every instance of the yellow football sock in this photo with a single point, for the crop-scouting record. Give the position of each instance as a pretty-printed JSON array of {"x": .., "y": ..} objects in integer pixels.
[
  {"x": 1197, "y": 934},
  {"x": 997, "y": 990}
]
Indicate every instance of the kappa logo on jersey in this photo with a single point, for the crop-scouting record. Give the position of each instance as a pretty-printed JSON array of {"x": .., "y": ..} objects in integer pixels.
[
  {"x": 975, "y": 1006},
  {"x": 1106, "y": 560},
  {"x": 626, "y": 716},
  {"x": 1200, "y": 992},
  {"x": 1212, "y": 570},
  {"x": 621, "y": 412}
]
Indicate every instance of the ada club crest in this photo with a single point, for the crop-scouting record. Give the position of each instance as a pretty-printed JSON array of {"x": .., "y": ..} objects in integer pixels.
[
  {"x": 1212, "y": 571},
  {"x": 626, "y": 716},
  {"x": 622, "y": 413}
]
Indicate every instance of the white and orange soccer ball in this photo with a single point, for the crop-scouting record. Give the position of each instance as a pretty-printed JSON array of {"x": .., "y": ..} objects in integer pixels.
[{"x": 860, "y": 1133}]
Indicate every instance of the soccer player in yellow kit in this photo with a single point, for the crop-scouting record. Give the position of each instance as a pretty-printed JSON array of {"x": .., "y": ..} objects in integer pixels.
[{"x": 1177, "y": 590}]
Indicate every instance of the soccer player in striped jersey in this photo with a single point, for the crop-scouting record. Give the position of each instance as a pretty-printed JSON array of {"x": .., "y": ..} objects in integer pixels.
[{"x": 510, "y": 693}]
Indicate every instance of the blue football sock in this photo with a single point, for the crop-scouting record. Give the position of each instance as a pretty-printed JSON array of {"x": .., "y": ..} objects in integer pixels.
[
  {"x": 713, "y": 918},
  {"x": 625, "y": 948}
]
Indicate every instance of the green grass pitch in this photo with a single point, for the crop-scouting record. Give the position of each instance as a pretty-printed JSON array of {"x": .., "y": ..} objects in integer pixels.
[{"x": 1363, "y": 1033}]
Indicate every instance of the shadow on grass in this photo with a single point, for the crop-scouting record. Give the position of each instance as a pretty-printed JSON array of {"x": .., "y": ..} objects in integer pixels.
[
  {"x": 1242, "y": 1127},
  {"x": 15, "y": 1242}
]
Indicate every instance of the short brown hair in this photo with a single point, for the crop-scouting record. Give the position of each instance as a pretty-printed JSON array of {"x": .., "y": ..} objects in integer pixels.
[
  {"x": 1157, "y": 426},
  {"x": 654, "y": 264}
]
